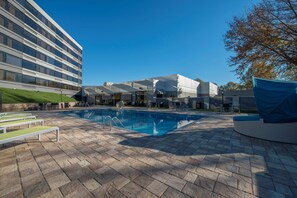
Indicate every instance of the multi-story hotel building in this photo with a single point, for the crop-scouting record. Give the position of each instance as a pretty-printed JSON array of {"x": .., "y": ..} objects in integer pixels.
[{"x": 35, "y": 52}]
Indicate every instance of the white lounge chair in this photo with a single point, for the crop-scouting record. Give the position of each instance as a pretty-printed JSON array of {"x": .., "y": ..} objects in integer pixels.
[
  {"x": 29, "y": 132},
  {"x": 15, "y": 115},
  {"x": 16, "y": 118},
  {"x": 5, "y": 125}
]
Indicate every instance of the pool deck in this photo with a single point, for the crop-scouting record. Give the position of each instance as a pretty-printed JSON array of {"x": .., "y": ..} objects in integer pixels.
[{"x": 204, "y": 159}]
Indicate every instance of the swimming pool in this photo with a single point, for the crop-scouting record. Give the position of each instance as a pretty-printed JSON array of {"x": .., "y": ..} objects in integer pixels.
[{"x": 152, "y": 123}]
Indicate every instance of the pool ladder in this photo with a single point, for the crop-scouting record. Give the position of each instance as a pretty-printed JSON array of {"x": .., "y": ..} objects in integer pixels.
[{"x": 108, "y": 120}]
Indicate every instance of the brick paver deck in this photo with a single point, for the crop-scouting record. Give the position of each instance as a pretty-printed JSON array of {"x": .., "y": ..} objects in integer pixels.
[{"x": 205, "y": 159}]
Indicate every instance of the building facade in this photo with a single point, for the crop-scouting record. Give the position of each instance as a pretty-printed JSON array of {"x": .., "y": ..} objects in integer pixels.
[
  {"x": 35, "y": 52},
  {"x": 162, "y": 90}
]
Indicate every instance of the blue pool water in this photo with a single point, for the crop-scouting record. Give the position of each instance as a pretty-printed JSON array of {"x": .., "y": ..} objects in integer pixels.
[{"x": 153, "y": 123}]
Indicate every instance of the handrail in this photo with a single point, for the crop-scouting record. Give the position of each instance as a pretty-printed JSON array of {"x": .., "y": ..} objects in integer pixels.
[
  {"x": 110, "y": 121},
  {"x": 114, "y": 120},
  {"x": 119, "y": 121}
]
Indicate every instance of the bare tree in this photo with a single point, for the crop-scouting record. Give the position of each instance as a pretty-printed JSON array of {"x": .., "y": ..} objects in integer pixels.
[{"x": 265, "y": 40}]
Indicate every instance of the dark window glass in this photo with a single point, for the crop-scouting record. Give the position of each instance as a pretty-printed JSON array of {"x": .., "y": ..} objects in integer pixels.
[
  {"x": 52, "y": 84},
  {"x": 2, "y": 3},
  {"x": 41, "y": 69},
  {"x": 17, "y": 45},
  {"x": 29, "y": 51},
  {"x": 17, "y": 29},
  {"x": 8, "y": 42},
  {"x": 2, "y": 57},
  {"x": 30, "y": 22},
  {"x": 2, "y": 75},
  {"x": 50, "y": 60},
  {"x": 14, "y": 77},
  {"x": 58, "y": 74},
  {"x": 22, "y": 2},
  {"x": 29, "y": 79},
  {"x": 1, "y": 20},
  {"x": 12, "y": 60},
  {"x": 29, "y": 65},
  {"x": 42, "y": 82},
  {"x": 30, "y": 37},
  {"x": 2, "y": 38},
  {"x": 31, "y": 9}
]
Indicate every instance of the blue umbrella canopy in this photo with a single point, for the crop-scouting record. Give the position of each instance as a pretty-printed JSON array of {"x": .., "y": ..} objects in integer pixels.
[{"x": 276, "y": 100}]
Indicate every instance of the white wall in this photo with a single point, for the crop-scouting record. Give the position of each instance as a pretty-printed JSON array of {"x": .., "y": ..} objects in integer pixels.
[
  {"x": 208, "y": 89},
  {"x": 188, "y": 86}
]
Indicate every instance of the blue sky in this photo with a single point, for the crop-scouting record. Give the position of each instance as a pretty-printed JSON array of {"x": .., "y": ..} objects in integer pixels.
[{"x": 134, "y": 39}]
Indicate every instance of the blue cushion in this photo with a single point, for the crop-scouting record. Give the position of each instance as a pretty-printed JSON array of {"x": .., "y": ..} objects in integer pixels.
[{"x": 246, "y": 118}]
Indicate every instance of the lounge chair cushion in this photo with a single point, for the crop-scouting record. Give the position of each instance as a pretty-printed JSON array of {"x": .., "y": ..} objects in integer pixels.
[
  {"x": 22, "y": 132},
  {"x": 246, "y": 118}
]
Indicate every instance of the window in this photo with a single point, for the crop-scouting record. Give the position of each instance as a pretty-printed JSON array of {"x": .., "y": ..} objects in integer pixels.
[
  {"x": 2, "y": 75},
  {"x": 40, "y": 69},
  {"x": 2, "y": 38},
  {"x": 58, "y": 74},
  {"x": 1, "y": 20},
  {"x": 30, "y": 23},
  {"x": 29, "y": 79},
  {"x": 50, "y": 60},
  {"x": 42, "y": 82},
  {"x": 52, "y": 84},
  {"x": 29, "y": 51},
  {"x": 17, "y": 45},
  {"x": 30, "y": 37},
  {"x": 14, "y": 77},
  {"x": 12, "y": 60},
  {"x": 2, "y": 57},
  {"x": 29, "y": 65}
]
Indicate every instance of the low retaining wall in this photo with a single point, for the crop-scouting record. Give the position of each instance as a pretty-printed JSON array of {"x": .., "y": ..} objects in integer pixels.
[{"x": 37, "y": 106}]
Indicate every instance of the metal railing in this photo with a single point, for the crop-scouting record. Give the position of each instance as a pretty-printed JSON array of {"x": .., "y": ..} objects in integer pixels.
[{"x": 108, "y": 120}]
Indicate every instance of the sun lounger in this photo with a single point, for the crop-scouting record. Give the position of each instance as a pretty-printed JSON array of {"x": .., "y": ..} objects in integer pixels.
[
  {"x": 11, "y": 113},
  {"x": 16, "y": 118},
  {"x": 15, "y": 115},
  {"x": 5, "y": 125},
  {"x": 29, "y": 132}
]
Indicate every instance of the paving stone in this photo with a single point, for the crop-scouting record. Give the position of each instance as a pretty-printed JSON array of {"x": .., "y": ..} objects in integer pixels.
[
  {"x": 190, "y": 177},
  {"x": 157, "y": 188},
  {"x": 143, "y": 180},
  {"x": 264, "y": 192},
  {"x": 263, "y": 181},
  {"x": 9, "y": 180},
  {"x": 227, "y": 191},
  {"x": 8, "y": 169},
  {"x": 80, "y": 193},
  {"x": 205, "y": 183},
  {"x": 91, "y": 184},
  {"x": 53, "y": 193},
  {"x": 71, "y": 187},
  {"x": 131, "y": 189},
  {"x": 281, "y": 188},
  {"x": 105, "y": 175},
  {"x": 146, "y": 194},
  {"x": 172, "y": 193},
  {"x": 75, "y": 171},
  {"x": 57, "y": 181},
  {"x": 120, "y": 181},
  {"x": 107, "y": 191},
  {"x": 195, "y": 191},
  {"x": 12, "y": 191},
  {"x": 35, "y": 189},
  {"x": 230, "y": 181}
]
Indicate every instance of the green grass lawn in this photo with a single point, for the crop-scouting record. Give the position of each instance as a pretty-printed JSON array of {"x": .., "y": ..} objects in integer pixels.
[{"x": 10, "y": 96}]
